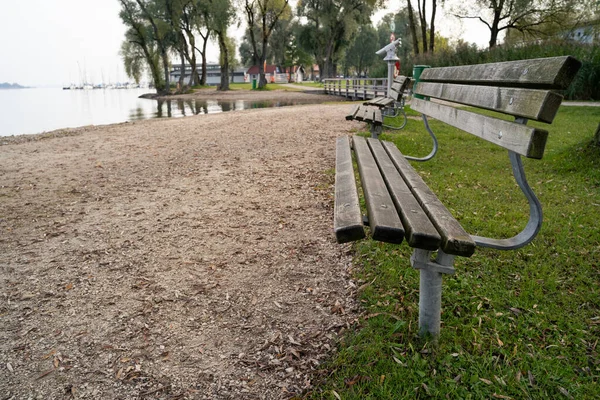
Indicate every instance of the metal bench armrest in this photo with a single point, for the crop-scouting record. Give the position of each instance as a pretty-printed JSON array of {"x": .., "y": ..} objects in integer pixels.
[
  {"x": 435, "y": 144},
  {"x": 535, "y": 213}
]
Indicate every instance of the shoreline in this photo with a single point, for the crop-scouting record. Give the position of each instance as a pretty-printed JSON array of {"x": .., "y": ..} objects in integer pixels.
[{"x": 205, "y": 94}]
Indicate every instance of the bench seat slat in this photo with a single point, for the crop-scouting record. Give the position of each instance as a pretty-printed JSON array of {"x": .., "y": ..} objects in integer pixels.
[
  {"x": 420, "y": 232},
  {"x": 365, "y": 116},
  {"x": 347, "y": 218},
  {"x": 380, "y": 102},
  {"x": 360, "y": 113},
  {"x": 522, "y": 139},
  {"x": 539, "y": 73},
  {"x": 455, "y": 240},
  {"x": 352, "y": 114},
  {"x": 369, "y": 115},
  {"x": 383, "y": 217},
  {"x": 377, "y": 117},
  {"x": 540, "y": 105}
]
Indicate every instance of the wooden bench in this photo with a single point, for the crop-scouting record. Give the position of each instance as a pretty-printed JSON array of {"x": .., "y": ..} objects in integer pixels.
[
  {"x": 399, "y": 203},
  {"x": 373, "y": 111}
]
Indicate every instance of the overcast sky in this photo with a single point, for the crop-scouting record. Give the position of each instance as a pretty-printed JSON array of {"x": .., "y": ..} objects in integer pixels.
[{"x": 57, "y": 42}]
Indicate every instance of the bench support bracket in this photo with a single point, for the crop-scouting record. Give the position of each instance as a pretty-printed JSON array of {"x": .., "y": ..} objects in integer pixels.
[
  {"x": 534, "y": 224},
  {"x": 435, "y": 144},
  {"x": 430, "y": 288},
  {"x": 376, "y": 131}
]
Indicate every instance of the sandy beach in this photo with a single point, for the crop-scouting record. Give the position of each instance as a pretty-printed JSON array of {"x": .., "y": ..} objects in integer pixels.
[{"x": 188, "y": 258}]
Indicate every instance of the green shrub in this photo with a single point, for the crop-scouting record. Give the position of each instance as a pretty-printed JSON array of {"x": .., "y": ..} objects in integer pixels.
[{"x": 586, "y": 85}]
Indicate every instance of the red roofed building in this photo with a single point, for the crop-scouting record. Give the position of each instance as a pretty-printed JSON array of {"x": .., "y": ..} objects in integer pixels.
[{"x": 270, "y": 72}]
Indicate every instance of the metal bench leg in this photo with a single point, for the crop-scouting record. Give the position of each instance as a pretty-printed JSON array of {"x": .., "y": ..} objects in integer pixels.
[
  {"x": 430, "y": 288},
  {"x": 375, "y": 131}
]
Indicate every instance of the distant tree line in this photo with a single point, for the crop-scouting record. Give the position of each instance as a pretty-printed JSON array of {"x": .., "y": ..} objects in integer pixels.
[
  {"x": 335, "y": 35},
  {"x": 6, "y": 85}
]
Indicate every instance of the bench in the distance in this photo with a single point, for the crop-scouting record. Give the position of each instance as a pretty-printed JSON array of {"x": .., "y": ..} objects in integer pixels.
[
  {"x": 373, "y": 111},
  {"x": 396, "y": 95}
]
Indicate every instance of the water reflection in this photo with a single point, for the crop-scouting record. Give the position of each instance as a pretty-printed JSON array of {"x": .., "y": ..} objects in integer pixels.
[
  {"x": 185, "y": 107},
  {"x": 36, "y": 110}
]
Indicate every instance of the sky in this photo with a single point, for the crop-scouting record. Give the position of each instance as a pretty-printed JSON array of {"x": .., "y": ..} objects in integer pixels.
[{"x": 58, "y": 42}]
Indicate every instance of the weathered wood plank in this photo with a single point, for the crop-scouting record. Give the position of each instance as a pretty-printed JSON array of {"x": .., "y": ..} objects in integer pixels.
[
  {"x": 383, "y": 217},
  {"x": 398, "y": 87},
  {"x": 539, "y": 73},
  {"x": 402, "y": 82},
  {"x": 367, "y": 115},
  {"x": 373, "y": 102},
  {"x": 380, "y": 102},
  {"x": 352, "y": 114},
  {"x": 387, "y": 102},
  {"x": 420, "y": 232},
  {"x": 539, "y": 105},
  {"x": 522, "y": 139},
  {"x": 455, "y": 240},
  {"x": 401, "y": 79},
  {"x": 377, "y": 117},
  {"x": 359, "y": 113},
  {"x": 396, "y": 96},
  {"x": 347, "y": 218}
]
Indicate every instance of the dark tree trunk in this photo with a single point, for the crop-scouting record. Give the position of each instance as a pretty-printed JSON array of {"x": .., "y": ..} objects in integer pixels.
[
  {"x": 181, "y": 82},
  {"x": 432, "y": 25},
  {"x": 224, "y": 62},
  {"x": 165, "y": 62},
  {"x": 203, "y": 55},
  {"x": 494, "y": 30},
  {"x": 262, "y": 80},
  {"x": 413, "y": 28},
  {"x": 192, "y": 57},
  {"x": 423, "y": 20},
  {"x": 163, "y": 50}
]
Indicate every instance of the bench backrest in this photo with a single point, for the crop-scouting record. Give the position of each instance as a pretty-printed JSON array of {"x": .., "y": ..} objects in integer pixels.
[
  {"x": 399, "y": 86},
  {"x": 522, "y": 89}
]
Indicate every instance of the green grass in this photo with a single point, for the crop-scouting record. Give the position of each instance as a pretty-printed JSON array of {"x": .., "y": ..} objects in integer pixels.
[
  {"x": 519, "y": 324},
  {"x": 246, "y": 86},
  {"x": 310, "y": 84},
  {"x": 270, "y": 86}
]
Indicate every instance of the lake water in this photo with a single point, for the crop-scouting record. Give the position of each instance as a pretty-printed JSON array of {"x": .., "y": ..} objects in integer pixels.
[{"x": 27, "y": 111}]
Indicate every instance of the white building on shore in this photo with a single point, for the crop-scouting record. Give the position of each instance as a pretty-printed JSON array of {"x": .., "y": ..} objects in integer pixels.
[{"x": 213, "y": 74}]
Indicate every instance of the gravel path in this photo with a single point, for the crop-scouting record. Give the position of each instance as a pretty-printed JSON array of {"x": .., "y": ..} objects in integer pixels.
[{"x": 187, "y": 258}]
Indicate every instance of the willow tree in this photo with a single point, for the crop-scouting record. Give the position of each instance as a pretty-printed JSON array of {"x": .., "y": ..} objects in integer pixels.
[
  {"x": 360, "y": 54},
  {"x": 152, "y": 11},
  {"x": 219, "y": 16},
  {"x": 139, "y": 44},
  {"x": 263, "y": 15}
]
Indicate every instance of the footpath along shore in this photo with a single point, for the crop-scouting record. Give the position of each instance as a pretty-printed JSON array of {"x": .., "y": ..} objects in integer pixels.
[{"x": 173, "y": 258}]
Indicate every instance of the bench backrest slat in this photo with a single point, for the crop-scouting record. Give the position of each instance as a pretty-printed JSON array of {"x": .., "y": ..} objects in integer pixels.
[
  {"x": 539, "y": 105},
  {"x": 399, "y": 87},
  {"x": 539, "y": 73},
  {"x": 521, "y": 89},
  {"x": 522, "y": 139}
]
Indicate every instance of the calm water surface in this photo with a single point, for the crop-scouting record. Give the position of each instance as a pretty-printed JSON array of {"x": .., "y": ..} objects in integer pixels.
[{"x": 27, "y": 111}]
